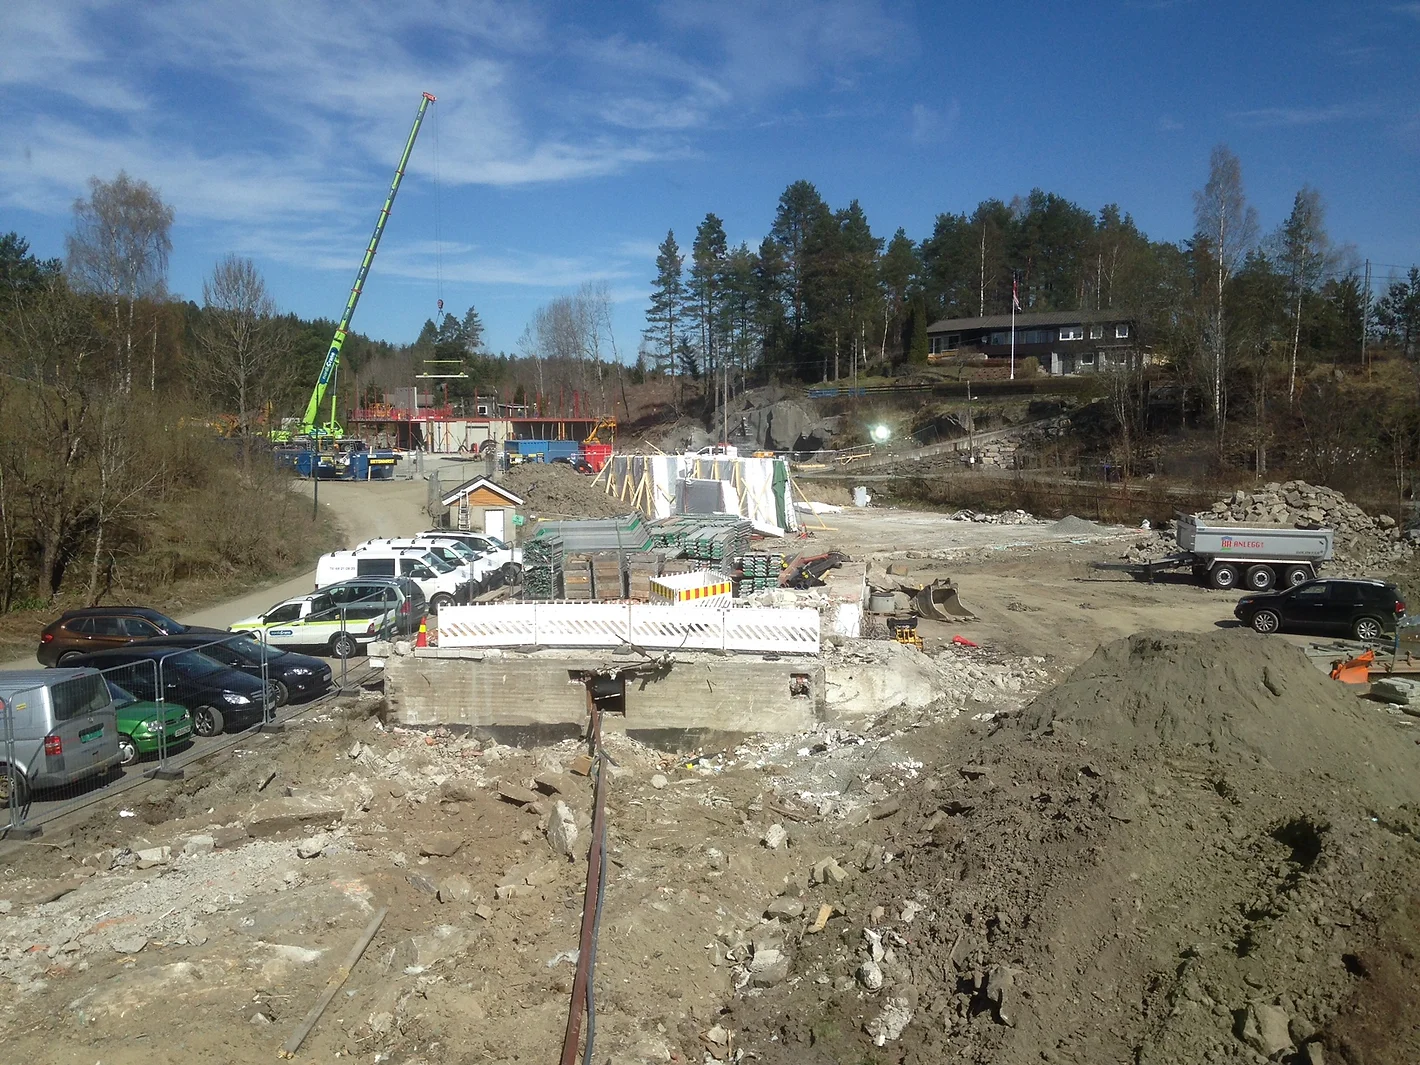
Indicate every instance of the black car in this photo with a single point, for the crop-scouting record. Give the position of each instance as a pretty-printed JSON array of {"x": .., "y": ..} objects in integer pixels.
[
  {"x": 1364, "y": 609},
  {"x": 297, "y": 677},
  {"x": 219, "y": 698}
]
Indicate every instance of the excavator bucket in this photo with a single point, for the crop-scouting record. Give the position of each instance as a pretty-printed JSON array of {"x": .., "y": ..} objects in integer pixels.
[{"x": 938, "y": 602}]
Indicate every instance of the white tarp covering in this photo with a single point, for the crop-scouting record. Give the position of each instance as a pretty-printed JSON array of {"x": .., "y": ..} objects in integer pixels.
[
  {"x": 646, "y": 625},
  {"x": 662, "y": 485}
]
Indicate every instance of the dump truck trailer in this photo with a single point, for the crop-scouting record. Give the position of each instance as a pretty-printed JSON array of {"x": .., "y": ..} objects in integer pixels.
[{"x": 1229, "y": 556}]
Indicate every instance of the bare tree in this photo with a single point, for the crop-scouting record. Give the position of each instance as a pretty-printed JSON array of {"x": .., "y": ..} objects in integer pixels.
[
  {"x": 119, "y": 249},
  {"x": 55, "y": 369},
  {"x": 243, "y": 349},
  {"x": 1226, "y": 228},
  {"x": 1304, "y": 252}
]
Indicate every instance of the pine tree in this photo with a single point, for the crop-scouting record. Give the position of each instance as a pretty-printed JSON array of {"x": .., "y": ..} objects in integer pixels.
[
  {"x": 664, "y": 319},
  {"x": 472, "y": 328}
]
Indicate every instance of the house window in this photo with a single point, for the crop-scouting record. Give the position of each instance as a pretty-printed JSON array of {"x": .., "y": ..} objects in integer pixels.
[
  {"x": 1087, "y": 359},
  {"x": 1121, "y": 331},
  {"x": 1096, "y": 332},
  {"x": 953, "y": 341},
  {"x": 936, "y": 345},
  {"x": 1072, "y": 332}
]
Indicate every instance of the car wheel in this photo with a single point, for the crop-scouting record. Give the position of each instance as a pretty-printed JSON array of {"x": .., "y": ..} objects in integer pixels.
[
  {"x": 283, "y": 694},
  {"x": 1266, "y": 621},
  {"x": 1259, "y": 578},
  {"x": 1224, "y": 576},
  {"x": 207, "y": 721},
  {"x": 127, "y": 750},
  {"x": 440, "y": 601},
  {"x": 1367, "y": 629},
  {"x": 20, "y": 798},
  {"x": 68, "y": 656},
  {"x": 1298, "y": 575},
  {"x": 343, "y": 646}
]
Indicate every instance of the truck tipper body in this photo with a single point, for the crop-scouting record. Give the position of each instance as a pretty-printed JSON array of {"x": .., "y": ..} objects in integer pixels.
[{"x": 1256, "y": 557}]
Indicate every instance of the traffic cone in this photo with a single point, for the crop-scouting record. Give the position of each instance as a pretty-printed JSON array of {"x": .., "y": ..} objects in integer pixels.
[{"x": 423, "y": 639}]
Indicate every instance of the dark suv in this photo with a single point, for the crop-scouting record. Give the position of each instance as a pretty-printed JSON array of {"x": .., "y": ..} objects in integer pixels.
[
  {"x": 403, "y": 595},
  {"x": 1364, "y": 609},
  {"x": 99, "y": 628}
]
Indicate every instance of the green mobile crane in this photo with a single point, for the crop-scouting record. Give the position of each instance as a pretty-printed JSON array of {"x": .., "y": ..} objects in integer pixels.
[{"x": 331, "y": 430}]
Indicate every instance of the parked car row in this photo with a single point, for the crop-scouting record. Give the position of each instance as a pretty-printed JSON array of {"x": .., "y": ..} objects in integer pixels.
[{"x": 448, "y": 567}]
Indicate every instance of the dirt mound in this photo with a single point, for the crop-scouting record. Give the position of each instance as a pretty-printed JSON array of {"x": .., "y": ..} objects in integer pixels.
[
  {"x": 1231, "y": 694},
  {"x": 556, "y": 490},
  {"x": 1212, "y": 875}
]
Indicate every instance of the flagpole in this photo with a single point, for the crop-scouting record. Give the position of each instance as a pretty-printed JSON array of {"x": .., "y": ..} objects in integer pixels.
[{"x": 1013, "y": 334}]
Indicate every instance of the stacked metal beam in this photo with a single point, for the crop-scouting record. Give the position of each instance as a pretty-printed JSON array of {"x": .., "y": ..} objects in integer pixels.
[{"x": 585, "y": 535}]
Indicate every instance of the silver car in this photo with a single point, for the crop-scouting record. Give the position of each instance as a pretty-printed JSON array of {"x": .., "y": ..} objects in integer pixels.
[{"x": 57, "y": 727}]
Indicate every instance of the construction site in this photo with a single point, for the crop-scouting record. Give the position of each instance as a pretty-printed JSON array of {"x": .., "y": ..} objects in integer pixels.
[{"x": 741, "y": 771}]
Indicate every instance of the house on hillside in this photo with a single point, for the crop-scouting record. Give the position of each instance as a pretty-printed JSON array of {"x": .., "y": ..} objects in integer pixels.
[{"x": 1062, "y": 342}]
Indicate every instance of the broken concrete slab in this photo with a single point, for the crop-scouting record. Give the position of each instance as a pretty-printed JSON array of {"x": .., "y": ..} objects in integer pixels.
[
  {"x": 443, "y": 845},
  {"x": 1264, "y": 1028},
  {"x": 517, "y": 795},
  {"x": 456, "y": 888},
  {"x": 272, "y": 817},
  {"x": 562, "y": 829},
  {"x": 550, "y": 783},
  {"x": 202, "y": 844},
  {"x": 224, "y": 839},
  {"x": 769, "y": 967},
  {"x": 787, "y": 908}
]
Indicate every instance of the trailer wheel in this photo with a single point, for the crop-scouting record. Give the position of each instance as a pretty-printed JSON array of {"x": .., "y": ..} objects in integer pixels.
[
  {"x": 1298, "y": 575},
  {"x": 1224, "y": 576},
  {"x": 1259, "y": 578}
]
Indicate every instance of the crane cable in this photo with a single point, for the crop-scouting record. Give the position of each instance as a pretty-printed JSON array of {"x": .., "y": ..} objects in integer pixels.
[{"x": 438, "y": 239}]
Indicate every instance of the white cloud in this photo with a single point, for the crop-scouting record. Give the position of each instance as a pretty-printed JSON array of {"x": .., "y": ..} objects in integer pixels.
[
  {"x": 1292, "y": 116},
  {"x": 930, "y": 125}
]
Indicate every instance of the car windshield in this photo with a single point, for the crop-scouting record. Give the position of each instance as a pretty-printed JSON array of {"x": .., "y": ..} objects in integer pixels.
[
  {"x": 458, "y": 548},
  {"x": 195, "y": 664},
  {"x": 498, "y": 545},
  {"x": 435, "y": 563},
  {"x": 121, "y": 696},
  {"x": 250, "y": 651}
]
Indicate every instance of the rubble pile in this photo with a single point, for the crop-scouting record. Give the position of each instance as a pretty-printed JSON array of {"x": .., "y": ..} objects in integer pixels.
[
  {"x": 1006, "y": 517},
  {"x": 1362, "y": 542},
  {"x": 1196, "y": 849},
  {"x": 1365, "y": 545}
]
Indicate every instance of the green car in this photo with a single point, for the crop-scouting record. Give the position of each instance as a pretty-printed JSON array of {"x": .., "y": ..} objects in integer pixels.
[{"x": 138, "y": 725}]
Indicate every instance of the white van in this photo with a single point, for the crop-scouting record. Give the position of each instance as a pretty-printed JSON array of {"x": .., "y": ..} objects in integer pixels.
[
  {"x": 502, "y": 555},
  {"x": 466, "y": 562},
  {"x": 65, "y": 728},
  {"x": 439, "y": 582}
]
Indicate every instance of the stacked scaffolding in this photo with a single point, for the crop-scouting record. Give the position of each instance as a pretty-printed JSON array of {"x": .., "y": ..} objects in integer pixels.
[
  {"x": 759, "y": 571},
  {"x": 542, "y": 567},
  {"x": 715, "y": 538}
]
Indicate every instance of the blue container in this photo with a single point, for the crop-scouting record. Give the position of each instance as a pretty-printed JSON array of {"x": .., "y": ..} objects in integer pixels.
[
  {"x": 532, "y": 447},
  {"x": 562, "y": 449},
  {"x": 359, "y": 465},
  {"x": 304, "y": 460}
]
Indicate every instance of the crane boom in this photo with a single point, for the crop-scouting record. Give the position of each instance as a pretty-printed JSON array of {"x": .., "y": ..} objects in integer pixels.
[{"x": 308, "y": 425}]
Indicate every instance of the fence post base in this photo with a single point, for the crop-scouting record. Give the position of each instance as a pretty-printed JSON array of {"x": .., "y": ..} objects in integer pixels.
[
  {"x": 272, "y": 726},
  {"x": 162, "y": 773},
  {"x": 21, "y": 831}
]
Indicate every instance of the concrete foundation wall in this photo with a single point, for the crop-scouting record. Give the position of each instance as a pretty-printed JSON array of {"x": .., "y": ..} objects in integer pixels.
[{"x": 480, "y": 689}]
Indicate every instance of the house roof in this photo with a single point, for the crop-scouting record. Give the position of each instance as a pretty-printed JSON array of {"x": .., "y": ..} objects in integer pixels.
[
  {"x": 1033, "y": 318},
  {"x": 479, "y": 484}
]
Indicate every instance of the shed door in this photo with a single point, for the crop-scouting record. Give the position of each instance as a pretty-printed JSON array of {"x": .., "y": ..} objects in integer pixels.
[{"x": 493, "y": 522}]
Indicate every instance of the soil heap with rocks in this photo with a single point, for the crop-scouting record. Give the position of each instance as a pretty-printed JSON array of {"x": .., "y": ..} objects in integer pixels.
[
  {"x": 1197, "y": 848},
  {"x": 556, "y": 490}
]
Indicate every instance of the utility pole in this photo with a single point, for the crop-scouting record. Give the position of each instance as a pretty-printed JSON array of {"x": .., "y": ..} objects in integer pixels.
[
  {"x": 981, "y": 304},
  {"x": 1366, "y": 317}
]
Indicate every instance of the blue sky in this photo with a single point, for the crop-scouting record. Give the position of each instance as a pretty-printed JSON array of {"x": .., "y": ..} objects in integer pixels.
[{"x": 569, "y": 137}]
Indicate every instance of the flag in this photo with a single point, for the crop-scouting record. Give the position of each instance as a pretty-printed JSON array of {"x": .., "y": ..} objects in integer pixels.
[{"x": 1015, "y": 295}]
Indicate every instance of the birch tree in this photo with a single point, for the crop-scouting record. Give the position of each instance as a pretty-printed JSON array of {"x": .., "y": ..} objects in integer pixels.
[
  {"x": 1302, "y": 250},
  {"x": 1226, "y": 228},
  {"x": 243, "y": 351},
  {"x": 119, "y": 250}
]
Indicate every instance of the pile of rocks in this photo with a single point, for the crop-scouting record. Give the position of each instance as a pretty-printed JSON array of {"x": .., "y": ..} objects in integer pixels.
[
  {"x": 1365, "y": 546},
  {"x": 1362, "y": 542},
  {"x": 1008, "y": 517}
]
